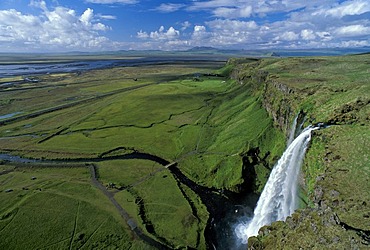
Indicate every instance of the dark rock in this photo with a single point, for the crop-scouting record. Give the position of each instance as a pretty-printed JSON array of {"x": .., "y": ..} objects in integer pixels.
[
  {"x": 337, "y": 157},
  {"x": 323, "y": 241},
  {"x": 336, "y": 239},
  {"x": 320, "y": 178},
  {"x": 264, "y": 231},
  {"x": 335, "y": 203},
  {"x": 290, "y": 222},
  {"x": 348, "y": 113},
  {"x": 334, "y": 193},
  {"x": 251, "y": 161},
  {"x": 318, "y": 194}
]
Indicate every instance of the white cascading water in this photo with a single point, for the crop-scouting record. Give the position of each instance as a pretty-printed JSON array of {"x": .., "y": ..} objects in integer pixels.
[
  {"x": 296, "y": 128},
  {"x": 293, "y": 130},
  {"x": 279, "y": 196}
]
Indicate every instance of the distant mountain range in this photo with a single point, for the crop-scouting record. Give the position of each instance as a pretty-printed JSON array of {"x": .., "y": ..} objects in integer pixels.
[
  {"x": 281, "y": 52},
  {"x": 192, "y": 52}
]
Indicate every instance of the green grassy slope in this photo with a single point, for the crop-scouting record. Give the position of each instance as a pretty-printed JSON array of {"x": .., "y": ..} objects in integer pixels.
[
  {"x": 212, "y": 126},
  {"x": 207, "y": 124},
  {"x": 333, "y": 90},
  {"x": 53, "y": 208},
  {"x": 211, "y": 122}
]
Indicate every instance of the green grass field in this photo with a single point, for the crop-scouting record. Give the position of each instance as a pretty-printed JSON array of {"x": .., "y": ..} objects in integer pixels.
[
  {"x": 58, "y": 208},
  {"x": 207, "y": 124},
  {"x": 168, "y": 118}
]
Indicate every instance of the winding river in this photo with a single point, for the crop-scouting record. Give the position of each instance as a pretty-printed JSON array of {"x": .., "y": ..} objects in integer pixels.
[{"x": 223, "y": 206}]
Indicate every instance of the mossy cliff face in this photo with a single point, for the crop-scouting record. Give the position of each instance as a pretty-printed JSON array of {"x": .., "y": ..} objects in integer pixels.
[
  {"x": 336, "y": 172},
  {"x": 278, "y": 99},
  {"x": 264, "y": 148}
]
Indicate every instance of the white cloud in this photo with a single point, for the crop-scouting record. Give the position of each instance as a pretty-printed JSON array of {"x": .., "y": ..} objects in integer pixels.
[
  {"x": 142, "y": 34},
  {"x": 224, "y": 12},
  {"x": 87, "y": 19},
  {"x": 233, "y": 13},
  {"x": 246, "y": 8},
  {"x": 106, "y": 17},
  {"x": 112, "y": 1},
  {"x": 185, "y": 25},
  {"x": 200, "y": 33},
  {"x": 300, "y": 24},
  {"x": 58, "y": 29},
  {"x": 176, "y": 44},
  {"x": 288, "y": 36},
  {"x": 352, "y": 30},
  {"x": 224, "y": 23},
  {"x": 324, "y": 36},
  {"x": 160, "y": 34},
  {"x": 307, "y": 34},
  {"x": 169, "y": 7},
  {"x": 231, "y": 32},
  {"x": 38, "y": 4},
  {"x": 245, "y": 11},
  {"x": 101, "y": 27},
  {"x": 232, "y": 25},
  {"x": 199, "y": 28},
  {"x": 355, "y": 7},
  {"x": 201, "y": 5},
  {"x": 87, "y": 16},
  {"x": 354, "y": 43},
  {"x": 14, "y": 26}
]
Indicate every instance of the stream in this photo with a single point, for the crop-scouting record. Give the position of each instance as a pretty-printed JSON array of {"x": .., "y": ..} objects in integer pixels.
[{"x": 225, "y": 208}]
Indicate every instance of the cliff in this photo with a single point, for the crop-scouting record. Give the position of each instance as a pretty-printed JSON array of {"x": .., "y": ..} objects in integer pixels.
[{"x": 335, "y": 175}]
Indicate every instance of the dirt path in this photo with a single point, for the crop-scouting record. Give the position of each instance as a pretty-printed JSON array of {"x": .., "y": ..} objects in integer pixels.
[
  {"x": 93, "y": 170},
  {"x": 123, "y": 212}
]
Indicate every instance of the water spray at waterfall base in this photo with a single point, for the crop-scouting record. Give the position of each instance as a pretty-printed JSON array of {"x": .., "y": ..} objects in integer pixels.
[{"x": 279, "y": 198}]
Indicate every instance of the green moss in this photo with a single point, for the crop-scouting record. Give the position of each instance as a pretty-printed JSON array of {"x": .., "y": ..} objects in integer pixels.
[
  {"x": 306, "y": 229},
  {"x": 313, "y": 165}
]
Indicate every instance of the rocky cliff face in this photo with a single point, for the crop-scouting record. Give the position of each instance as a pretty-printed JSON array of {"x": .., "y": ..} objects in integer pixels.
[
  {"x": 336, "y": 169},
  {"x": 280, "y": 102}
]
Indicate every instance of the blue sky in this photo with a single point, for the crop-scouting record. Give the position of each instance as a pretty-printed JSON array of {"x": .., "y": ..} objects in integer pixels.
[{"x": 105, "y": 25}]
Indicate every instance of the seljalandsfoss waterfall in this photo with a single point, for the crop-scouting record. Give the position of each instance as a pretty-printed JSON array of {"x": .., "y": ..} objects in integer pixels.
[{"x": 279, "y": 197}]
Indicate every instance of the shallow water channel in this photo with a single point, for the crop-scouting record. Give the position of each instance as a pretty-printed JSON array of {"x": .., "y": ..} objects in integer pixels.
[{"x": 9, "y": 115}]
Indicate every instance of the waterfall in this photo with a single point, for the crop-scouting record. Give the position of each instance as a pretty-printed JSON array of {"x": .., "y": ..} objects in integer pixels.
[
  {"x": 293, "y": 130},
  {"x": 279, "y": 196},
  {"x": 296, "y": 128}
]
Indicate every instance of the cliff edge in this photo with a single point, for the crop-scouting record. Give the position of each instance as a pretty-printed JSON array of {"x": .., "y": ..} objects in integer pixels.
[{"x": 335, "y": 175}]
